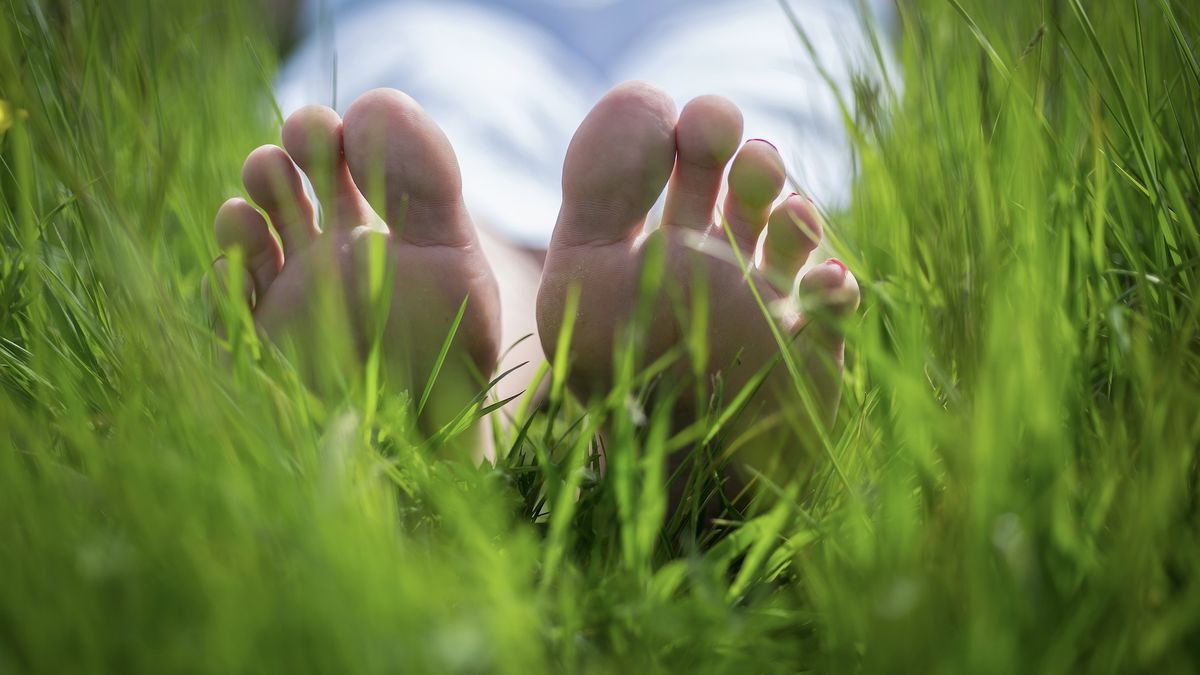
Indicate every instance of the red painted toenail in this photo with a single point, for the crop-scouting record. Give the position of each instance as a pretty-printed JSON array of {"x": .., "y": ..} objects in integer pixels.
[
  {"x": 840, "y": 265},
  {"x": 763, "y": 140}
]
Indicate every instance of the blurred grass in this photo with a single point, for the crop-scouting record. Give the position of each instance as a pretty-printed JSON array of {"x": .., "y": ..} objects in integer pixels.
[{"x": 1019, "y": 428}]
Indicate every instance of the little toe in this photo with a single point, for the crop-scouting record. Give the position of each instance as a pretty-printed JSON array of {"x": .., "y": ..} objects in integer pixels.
[
  {"x": 706, "y": 136},
  {"x": 404, "y": 165},
  {"x": 793, "y": 232},
  {"x": 755, "y": 179},
  {"x": 616, "y": 167},
  {"x": 274, "y": 184},
  {"x": 239, "y": 226},
  {"x": 828, "y": 292},
  {"x": 313, "y": 137},
  {"x": 215, "y": 283}
]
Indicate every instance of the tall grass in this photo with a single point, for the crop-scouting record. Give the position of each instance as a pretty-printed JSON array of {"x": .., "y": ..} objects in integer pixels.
[{"x": 1017, "y": 440}]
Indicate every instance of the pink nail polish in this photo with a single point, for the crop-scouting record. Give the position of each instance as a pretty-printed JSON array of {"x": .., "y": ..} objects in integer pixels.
[
  {"x": 839, "y": 264},
  {"x": 763, "y": 140}
]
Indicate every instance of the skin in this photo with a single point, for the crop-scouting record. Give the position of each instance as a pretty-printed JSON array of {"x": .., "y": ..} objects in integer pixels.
[
  {"x": 631, "y": 145},
  {"x": 616, "y": 166}
]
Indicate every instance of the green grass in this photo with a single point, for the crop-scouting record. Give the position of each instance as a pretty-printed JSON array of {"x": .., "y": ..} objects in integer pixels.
[{"x": 1017, "y": 441}]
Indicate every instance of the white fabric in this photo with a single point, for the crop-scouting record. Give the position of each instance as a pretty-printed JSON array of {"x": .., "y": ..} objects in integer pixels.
[{"x": 510, "y": 91}]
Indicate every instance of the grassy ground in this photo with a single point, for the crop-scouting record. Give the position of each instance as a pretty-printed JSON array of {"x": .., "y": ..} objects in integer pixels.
[{"x": 1015, "y": 486}]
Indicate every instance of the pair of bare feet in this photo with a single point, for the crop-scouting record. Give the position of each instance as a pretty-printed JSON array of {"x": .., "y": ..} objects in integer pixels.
[{"x": 431, "y": 257}]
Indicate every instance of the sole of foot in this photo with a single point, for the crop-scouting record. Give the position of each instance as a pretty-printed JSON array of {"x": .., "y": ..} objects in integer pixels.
[
  {"x": 332, "y": 295},
  {"x": 629, "y": 148}
]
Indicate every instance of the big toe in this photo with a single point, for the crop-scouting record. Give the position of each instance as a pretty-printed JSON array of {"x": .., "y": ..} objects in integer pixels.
[
  {"x": 617, "y": 164},
  {"x": 403, "y": 163}
]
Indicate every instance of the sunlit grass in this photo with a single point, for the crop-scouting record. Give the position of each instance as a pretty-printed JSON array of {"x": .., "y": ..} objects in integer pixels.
[{"x": 1010, "y": 485}]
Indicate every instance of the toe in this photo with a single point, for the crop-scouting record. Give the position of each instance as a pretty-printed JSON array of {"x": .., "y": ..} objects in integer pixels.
[
  {"x": 755, "y": 179},
  {"x": 707, "y": 135},
  {"x": 313, "y": 137},
  {"x": 828, "y": 292},
  {"x": 273, "y": 183},
  {"x": 617, "y": 165},
  {"x": 793, "y": 232},
  {"x": 403, "y": 163},
  {"x": 239, "y": 226},
  {"x": 217, "y": 280}
]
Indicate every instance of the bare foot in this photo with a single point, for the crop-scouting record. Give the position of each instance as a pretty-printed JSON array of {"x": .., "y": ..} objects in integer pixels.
[
  {"x": 329, "y": 294},
  {"x": 618, "y": 163}
]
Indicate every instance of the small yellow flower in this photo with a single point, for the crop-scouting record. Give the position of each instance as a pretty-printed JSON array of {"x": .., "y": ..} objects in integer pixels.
[{"x": 7, "y": 116}]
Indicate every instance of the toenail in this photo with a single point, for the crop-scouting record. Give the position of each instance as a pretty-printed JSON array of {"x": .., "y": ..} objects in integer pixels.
[
  {"x": 763, "y": 140},
  {"x": 839, "y": 264}
]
